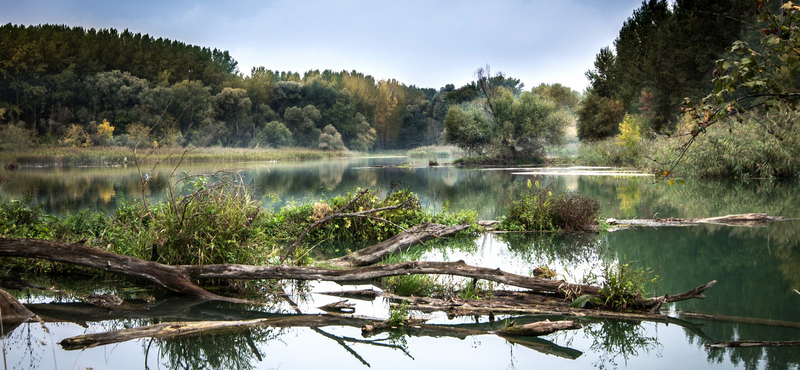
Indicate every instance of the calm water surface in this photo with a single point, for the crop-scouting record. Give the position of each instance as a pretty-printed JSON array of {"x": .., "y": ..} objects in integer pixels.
[{"x": 757, "y": 270}]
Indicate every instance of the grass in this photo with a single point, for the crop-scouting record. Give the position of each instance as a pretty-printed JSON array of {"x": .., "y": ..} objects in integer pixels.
[
  {"x": 64, "y": 156},
  {"x": 435, "y": 151},
  {"x": 762, "y": 145}
]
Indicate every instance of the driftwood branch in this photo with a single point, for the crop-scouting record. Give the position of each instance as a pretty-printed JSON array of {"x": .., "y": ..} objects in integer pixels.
[
  {"x": 171, "y": 277},
  {"x": 538, "y": 328},
  {"x": 180, "y": 279},
  {"x": 179, "y": 329},
  {"x": 754, "y": 343},
  {"x": 746, "y": 219},
  {"x": 396, "y": 244},
  {"x": 11, "y": 310}
]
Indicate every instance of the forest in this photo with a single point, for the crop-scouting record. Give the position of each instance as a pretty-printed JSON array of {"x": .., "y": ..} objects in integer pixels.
[{"x": 67, "y": 86}]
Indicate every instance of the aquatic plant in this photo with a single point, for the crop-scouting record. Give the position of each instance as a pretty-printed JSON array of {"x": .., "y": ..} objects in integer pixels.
[
  {"x": 398, "y": 314},
  {"x": 535, "y": 208},
  {"x": 623, "y": 284}
]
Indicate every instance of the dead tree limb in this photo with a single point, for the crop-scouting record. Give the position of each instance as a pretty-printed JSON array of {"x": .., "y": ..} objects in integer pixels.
[
  {"x": 12, "y": 310},
  {"x": 170, "y": 277},
  {"x": 412, "y": 236},
  {"x": 746, "y": 219},
  {"x": 754, "y": 343},
  {"x": 339, "y": 214},
  {"x": 180, "y": 278},
  {"x": 539, "y": 328}
]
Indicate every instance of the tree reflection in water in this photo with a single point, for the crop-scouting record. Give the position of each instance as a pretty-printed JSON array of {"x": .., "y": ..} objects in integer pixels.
[
  {"x": 216, "y": 351},
  {"x": 614, "y": 339}
]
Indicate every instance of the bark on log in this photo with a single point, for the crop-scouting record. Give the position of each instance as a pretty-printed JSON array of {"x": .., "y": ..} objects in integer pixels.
[
  {"x": 754, "y": 343},
  {"x": 412, "y": 236},
  {"x": 11, "y": 310},
  {"x": 459, "y": 268},
  {"x": 179, "y": 278},
  {"x": 178, "y": 329},
  {"x": 538, "y": 328},
  {"x": 170, "y": 277},
  {"x": 746, "y": 219}
]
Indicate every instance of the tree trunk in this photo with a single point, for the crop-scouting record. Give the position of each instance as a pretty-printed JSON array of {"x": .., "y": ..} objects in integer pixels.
[
  {"x": 396, "y": 244},
  {"x": 11, "y": 309},
  {"x": 538, "y": 328},
  {"x": 180, "y": 279}
]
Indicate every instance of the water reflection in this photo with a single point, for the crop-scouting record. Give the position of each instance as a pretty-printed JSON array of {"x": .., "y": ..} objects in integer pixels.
[{"x": 757, "y": 270}]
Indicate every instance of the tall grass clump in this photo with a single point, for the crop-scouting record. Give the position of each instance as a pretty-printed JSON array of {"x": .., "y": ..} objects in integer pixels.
[
  {"x": 219, "y": 222},
  {"x": 534, "y": 208},
  {"x": 435, "y": 151},
  {"x": 623, "y": 284}
]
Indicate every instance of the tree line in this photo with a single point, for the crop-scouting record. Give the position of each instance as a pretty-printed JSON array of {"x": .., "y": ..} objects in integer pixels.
[
  {"x": 71, "y": 86},
  {"x": 665, "y": 52}
]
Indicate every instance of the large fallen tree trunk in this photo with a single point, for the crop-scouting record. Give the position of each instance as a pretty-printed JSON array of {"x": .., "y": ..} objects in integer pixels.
[
  {"x": 180, "y": 278},
  {"x": 746, "y": 219},
  {"x": 170, "y": 277}
]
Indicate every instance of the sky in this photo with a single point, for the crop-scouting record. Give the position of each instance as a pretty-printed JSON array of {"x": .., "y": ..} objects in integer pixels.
[{"x": 426, "y": 43}]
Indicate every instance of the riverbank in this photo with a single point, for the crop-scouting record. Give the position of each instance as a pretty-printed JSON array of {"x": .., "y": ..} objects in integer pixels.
[{"x": 67, "y": 156}]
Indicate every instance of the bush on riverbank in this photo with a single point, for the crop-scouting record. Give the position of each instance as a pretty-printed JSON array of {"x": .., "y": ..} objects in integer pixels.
[
  {"x": 535, "y": 208},
  {"x": 761, "y": 146}
]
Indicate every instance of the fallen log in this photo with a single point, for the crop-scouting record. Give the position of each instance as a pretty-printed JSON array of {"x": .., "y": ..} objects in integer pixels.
[
  {"x": 11, "y": 310},
  {"x": 170, "y": 277},
  {"x": 746, "y": 219},
  {"x": 537, "y": 328},
  {"x": 398, "y": 243},
  {"x": 754, "y": 343},
  {"x": 414, "y": 328},
  {"x": 180, "y": 279}
]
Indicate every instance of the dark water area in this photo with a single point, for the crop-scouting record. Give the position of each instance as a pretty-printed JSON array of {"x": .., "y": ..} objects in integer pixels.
[{"x": 757, "y": 269}]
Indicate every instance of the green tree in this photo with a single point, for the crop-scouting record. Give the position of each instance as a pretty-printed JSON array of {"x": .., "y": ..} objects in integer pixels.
[
  {"x": 274, "y": 134},
  {"x": 330, "y": 139},
  {"x": 233, "y": 107},
  {"x": 598, "y": 116},
  {"x": 365, "y": 134},
  {"x": 468, "y": 129}
]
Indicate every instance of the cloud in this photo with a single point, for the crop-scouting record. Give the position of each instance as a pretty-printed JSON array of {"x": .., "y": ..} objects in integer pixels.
[{"x": 425, "y": 43}]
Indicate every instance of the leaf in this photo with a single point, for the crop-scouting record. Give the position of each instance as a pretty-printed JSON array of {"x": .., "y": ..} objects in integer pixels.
[
  {"x": 671, "y": 182},
  {"x": 581, "y": 301},
  {"x": 49, "y": 218}
]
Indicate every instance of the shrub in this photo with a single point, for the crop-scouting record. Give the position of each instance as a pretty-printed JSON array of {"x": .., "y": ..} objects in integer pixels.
[
  {"x": 536, "y": 209},
  {"x": 623, "y": 285}
]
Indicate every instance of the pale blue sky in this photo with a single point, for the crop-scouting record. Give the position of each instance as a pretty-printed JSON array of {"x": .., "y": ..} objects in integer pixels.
[{"x": 423, "y": 43}]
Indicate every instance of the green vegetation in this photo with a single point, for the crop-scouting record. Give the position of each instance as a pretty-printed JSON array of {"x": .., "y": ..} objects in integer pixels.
[
  {"x": 398, "y": 314},
  {"x": 71, "y": 87},
  {"x": 536, "y": 209},
  {"x": 506, "y": 125},
  {"x": 219, "y": 220},
  {"x": 664, "y": 53},
  {"x": 623, "y": 285},
  {"x": 120, "y": 155},
  {"x": 745, "y": 128}
]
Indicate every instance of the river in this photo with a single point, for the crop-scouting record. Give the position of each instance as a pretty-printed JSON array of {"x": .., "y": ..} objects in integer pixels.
[{"x": 758, "y": 270}]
